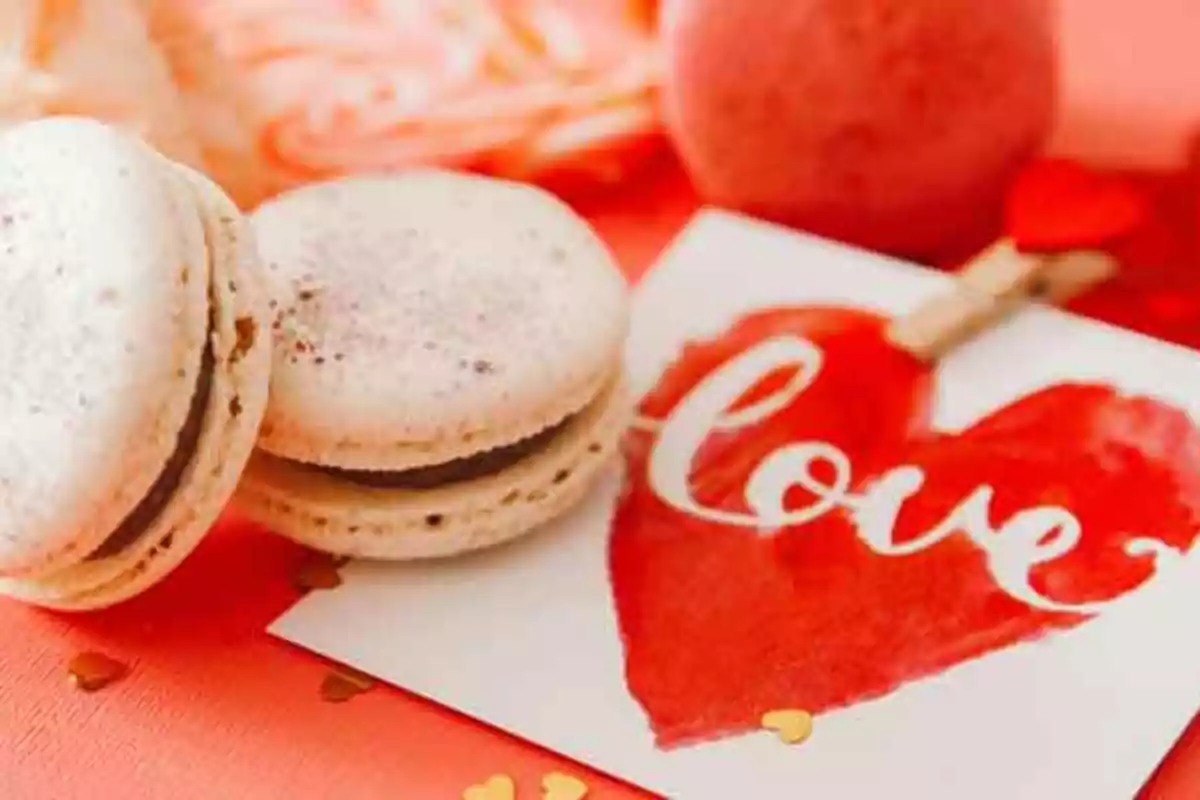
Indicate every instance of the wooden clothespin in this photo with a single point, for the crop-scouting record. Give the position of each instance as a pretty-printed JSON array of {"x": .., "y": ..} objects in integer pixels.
[
  {"x": 990, "y": 287},
  {"x": 1061, "y": 221}
]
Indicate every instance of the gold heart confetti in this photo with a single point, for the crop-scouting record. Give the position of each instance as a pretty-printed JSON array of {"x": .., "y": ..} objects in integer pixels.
[
  {"x": 557, "y": 786},
  {"x": 643, "y": 13},
  {"x": 497, "y": 787},
  {"x": 792, "y": 725},
  {"x": 91, "y": 672},
  {"x": 343, "y": 683},
  {"x": 318, "y": 572}
]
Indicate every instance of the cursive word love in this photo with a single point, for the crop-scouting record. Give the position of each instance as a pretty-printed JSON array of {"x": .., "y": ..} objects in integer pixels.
[{"x": 1026, "y": 539}]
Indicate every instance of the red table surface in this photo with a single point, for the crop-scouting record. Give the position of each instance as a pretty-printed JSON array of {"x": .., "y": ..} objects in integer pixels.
[{"x": 216, "y": 708}]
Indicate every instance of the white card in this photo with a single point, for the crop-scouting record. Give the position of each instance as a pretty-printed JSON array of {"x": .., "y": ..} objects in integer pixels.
[{"x": 527, "y": 637}]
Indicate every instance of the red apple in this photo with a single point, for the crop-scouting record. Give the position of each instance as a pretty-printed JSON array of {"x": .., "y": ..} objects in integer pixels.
[{"x": 892, "y": 124}]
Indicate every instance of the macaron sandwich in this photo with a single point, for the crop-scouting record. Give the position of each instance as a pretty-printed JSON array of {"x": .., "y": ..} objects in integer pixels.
[
  {"x": 134, "y": 362},
  {"x": 447, "y": 364}
]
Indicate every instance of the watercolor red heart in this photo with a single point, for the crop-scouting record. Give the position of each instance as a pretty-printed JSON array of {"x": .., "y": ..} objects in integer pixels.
[{"x": 794, "y": 534}]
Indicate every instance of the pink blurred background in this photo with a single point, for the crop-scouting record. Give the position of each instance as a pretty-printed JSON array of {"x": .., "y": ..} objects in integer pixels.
[{"x": 1131, "y": 78}]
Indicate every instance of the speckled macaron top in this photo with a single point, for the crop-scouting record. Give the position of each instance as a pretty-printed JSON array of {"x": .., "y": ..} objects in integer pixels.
[
  {"x": 430, "y": 315},
  {"x": 103, "y": 323}
]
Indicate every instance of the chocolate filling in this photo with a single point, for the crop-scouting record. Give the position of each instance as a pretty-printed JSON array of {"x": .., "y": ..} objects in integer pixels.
[
  {"x": 459, "y": 470},
  {"x": 152, "y": 505}
]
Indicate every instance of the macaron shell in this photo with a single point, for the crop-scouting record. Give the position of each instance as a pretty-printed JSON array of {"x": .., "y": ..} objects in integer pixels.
[
  {"x": 329, "y": 514},
  {"x": 103, "y": 317},
  {"x": 431, "y": 315},
  {"x": 234, "y": 410}
]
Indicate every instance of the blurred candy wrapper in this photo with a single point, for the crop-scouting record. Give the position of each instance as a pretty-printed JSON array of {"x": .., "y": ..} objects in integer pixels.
[
  {"x": 219, "y": 111},
  {"x": 268, "y": 94},
  {"x": 562, "y": 92},
  {"x": 91, "y": 58}
]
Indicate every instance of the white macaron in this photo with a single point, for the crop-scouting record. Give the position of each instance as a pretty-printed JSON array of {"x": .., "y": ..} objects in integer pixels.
[
  {"x": 136, "y": 361},
  {"x": 447, "y": 370}
]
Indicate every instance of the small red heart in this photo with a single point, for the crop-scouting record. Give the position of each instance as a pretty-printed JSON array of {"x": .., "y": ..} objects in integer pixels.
[
  {"x": 1057, "y": 205},
  {"x": 722, "y": 622}
]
